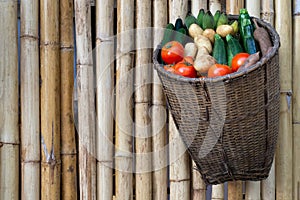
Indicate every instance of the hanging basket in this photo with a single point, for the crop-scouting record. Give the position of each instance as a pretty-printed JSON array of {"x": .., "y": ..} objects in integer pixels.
[{"x": 229, "y": 124}]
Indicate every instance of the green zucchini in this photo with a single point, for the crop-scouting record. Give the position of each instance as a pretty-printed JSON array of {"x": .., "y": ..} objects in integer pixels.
[
  {"x": 168, "y": 34},
  {"x": 189, "y": 20},
  {"x": 216, "y": 17},
  {"x": 229, "y": 55},
  {"x": 200, "y": 17},
  {"x": 208, "y": 21},
  {"x": 246, "y": 31},
  {"x": 181, "y": 36},
  {"x": 234, "y": 47},
  {"x": 223, "y": 20},
  {"x": 219, "y": 51},
  {"x": 248, "y": 40},
  {"x": 178, "y": 24}
]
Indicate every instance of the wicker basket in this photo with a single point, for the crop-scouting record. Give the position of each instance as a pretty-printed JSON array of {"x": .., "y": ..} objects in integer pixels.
[{"x": 229, "y": 124}]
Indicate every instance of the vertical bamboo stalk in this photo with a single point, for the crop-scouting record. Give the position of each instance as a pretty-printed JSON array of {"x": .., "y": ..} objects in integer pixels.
[
  {"x": 234, "y": 187},
  {"x": 68, "y": 140},
  {"x": 177, "y": 8},
  {"x": 284, "y": 153},
  {"x": 50, "y": 99},
  {"x": 143, "y": 78},
  {"x": 9, "y": 130},
  {"x": 234, "y": 6},
  {"x": 30, "y": 115},
  {"x": 86, "y": 110},
  {"x": 235, "y": 190},
  {"x": 199, "y": 187},
  {"x": 253, "y": 188},
  {"x": 217, "y": 192},
  {"x": 253, "y": 7},
  {"x": 105, "y": 105},
  {"x": 159, "y": 133},
  {"x": 214, "y": 5},
  {"x": 197, "y": 5},
  {"x": 267, "y": 10},
  {"x": 296, "y": 105},
  {"x": 179, "y": 158},
  {"x": 179, "y": 165},
  {"x": 124, "y": 90},
  {"x": 268, "y": 185}
]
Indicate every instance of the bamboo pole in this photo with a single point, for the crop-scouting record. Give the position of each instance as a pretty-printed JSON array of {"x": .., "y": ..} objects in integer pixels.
[
  {"x": 50, "y": 100},
  {"x": 68, "y": 141},
  {"x": 159, "y": 132},
  {"x": 178, "y": 8},
  {"x": 267, "y": 11},
  {"x": 143, "y": 78},
  {"x": 234, "y": 6},
  {"x": 217, "y": 192},
  {"x": 296, "y": 104},
  {"x": 253, "y": 187},
  {"x": 104, "y": 81},
  {"x": 197, "y": 5},
  {"x": 199, "y": 187},
  {"x": 214, "y": 5},
  {"x": 30, "y": 115},
  {"x": 124, "y": 91},
  {"x": 268, "y": 185},
  {"x": 86, "y": 110},
  {"x": 253, "y": 7},
  {"x": 179, "y": 165},
  {"x": 9, "y": 130},
  {"x": 235, "y": 190},
  {"x": 284, "y": 153},
  {"x": 234, "y": 187},
  {"x": 179, "y": 158}
]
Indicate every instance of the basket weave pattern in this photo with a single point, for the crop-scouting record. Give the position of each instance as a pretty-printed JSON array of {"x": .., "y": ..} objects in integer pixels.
[{"x": 229, "y": 124}]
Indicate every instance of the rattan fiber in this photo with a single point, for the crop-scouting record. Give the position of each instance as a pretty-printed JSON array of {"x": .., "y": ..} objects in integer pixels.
[{"x": 229, "y": 124}]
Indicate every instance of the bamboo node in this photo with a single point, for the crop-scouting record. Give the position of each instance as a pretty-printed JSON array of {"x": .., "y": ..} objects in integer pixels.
[
  {"x": 27, "y": 36},
  {"x": 100, "y": 40},
  {"x": 180, "y": 180}
]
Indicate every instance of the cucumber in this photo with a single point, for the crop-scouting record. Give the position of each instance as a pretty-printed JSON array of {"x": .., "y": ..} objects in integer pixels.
[
  {"x": 229, "y": 55},
  {"x": 181, "y": 36},
  {"x": 248, "y": 41},
  {"x": 208, "y": 21},
  {"x": 168, "y": 34},
  {"x": 200, "y": 17},
  {"x": 234, "y": 47},
  {"x": 216, "y": 17},
  {"x": 223, "y": 20},
  {"x": 178, "y": 24},
  {"x": 246, "y": 31},
  {"x": 189, "y": 20},
  {"x": 219, "y": 51}
]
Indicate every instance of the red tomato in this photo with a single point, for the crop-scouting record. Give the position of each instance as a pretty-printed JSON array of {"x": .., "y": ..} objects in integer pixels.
[
  {"x": 218, "y": 70},
  {"x": 172, "y": 52},
  {"x": 185, "y": 69},
  {"x": 238, "y": 60}
]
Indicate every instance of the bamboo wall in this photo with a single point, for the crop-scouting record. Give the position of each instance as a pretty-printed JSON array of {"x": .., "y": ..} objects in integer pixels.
[{"x": 83, "y": 115}]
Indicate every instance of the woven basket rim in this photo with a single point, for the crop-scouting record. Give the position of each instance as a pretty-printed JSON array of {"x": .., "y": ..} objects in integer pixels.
[{"x": 228, "y": 77}]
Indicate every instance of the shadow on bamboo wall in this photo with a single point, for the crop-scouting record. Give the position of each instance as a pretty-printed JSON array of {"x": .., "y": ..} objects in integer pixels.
[{"x": 124, "y": 143}]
